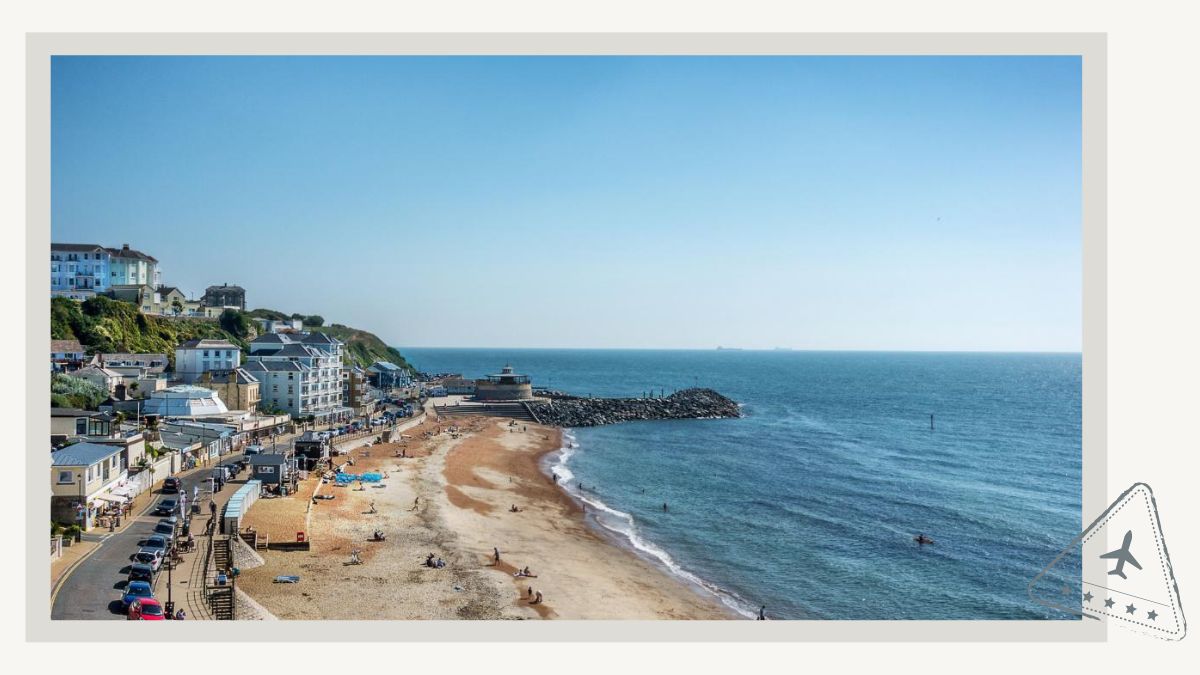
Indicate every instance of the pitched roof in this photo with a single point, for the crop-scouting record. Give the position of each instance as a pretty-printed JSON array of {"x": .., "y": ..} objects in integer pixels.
[
  {"x": 72, "y": 412},
  {"x": 243, "y": 375},
  {"x": 83, "y": 454},
  {"x": 224, "y": 287},
  {"x": 317, "y": 337},
  {"x": 77, "y": 248},
  {"x": 255, "y": 366},
  {"x": 126, "y": 252},
  {"x": 271, "y": 338},
  {"x": 208, "y": 343},
  {"x": 65, "y": 346}
]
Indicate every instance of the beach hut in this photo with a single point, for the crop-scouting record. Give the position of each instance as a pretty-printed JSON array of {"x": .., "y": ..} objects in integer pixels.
[{"x": 269, "y": 469}]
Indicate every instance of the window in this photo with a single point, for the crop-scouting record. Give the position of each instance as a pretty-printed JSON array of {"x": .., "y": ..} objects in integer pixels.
[
  {"x": 66, "y": 477},
  {"x": 81, "y": 426},
  {"x": 265, "y": 469}
]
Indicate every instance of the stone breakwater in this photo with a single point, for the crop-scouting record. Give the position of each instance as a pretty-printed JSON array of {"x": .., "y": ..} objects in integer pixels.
[{"x": 590, "y": 412}]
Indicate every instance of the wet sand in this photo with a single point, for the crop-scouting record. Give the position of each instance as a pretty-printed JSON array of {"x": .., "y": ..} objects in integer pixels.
[{"x": 466, "y": 480}]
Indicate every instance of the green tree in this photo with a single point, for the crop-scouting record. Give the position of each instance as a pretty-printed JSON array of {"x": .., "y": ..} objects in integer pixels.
[
  {"x": 235, "y": 323},
  {"x": 177, "y": 306},
  {"x": 314, "y": 320}
]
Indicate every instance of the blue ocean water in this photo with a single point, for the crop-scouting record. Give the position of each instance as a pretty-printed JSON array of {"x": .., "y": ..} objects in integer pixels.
[{"x": 809, "y": 503}]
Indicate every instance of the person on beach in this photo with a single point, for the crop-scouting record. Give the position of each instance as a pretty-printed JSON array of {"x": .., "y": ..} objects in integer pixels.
[
  {"x": 429, "y": 560},
  {"x": 665, "y": 507},
  {"x": 537, "y": 599},
  {"x": 762, "y": 613},
  {"x": 496, "y": 554},
  {"x": 531, "y": 591},
  {"x": 373, "y": 508},
  {"x": 416, "y": 504}
]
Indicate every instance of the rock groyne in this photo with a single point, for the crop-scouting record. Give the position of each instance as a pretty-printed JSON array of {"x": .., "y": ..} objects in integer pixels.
[{"x": 590, "y": 412}]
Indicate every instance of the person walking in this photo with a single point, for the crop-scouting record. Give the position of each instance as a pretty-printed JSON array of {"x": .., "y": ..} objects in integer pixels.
[
  {"x": 496, "y": 554},
  {"x": 762, "y": 613}
]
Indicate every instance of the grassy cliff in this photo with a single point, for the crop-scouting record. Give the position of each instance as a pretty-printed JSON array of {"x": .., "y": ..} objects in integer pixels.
[
  {"x": 363, "y": 348},
  {"x": 102, "y": 324}
]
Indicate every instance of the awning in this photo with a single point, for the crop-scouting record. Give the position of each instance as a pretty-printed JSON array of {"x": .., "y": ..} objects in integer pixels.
[{"x": 111, "y": 498}]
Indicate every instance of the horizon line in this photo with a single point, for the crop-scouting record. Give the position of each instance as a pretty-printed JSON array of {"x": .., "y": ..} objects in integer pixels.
[{"x": 757, "y": 349}]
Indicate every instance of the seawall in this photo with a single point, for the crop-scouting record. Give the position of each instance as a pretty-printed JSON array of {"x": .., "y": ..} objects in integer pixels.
[{"x": 589, "y": 412}]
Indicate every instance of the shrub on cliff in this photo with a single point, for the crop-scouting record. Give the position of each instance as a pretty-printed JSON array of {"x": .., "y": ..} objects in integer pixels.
[{"x": 73, "y": 392}]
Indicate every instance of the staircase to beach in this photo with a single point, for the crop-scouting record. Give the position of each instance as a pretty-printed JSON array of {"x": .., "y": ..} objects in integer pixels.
[{"x": 220, "y": 598}]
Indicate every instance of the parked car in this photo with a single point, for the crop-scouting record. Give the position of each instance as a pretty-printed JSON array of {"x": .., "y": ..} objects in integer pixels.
[
  {"x": 171, "y": 485},
  {"x": 166, "y": 507},
  {"x": 141, "y": 572},
  {"x": 171, "y": 520},
  {"x": 252, "y": 450},
  {"x": 164, "y": 528},
  {"x": 136, "y": 590},
  {"x": 157, "y": 541},
  {"x": 145, "y": 609},
  {"x": 149, "y": 556}
]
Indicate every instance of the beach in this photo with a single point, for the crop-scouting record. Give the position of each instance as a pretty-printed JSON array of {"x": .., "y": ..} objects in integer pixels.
[{"x": 451, "y": 495}]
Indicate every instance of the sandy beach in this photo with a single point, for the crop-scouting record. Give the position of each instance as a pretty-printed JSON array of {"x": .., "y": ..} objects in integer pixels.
[{"x": 451, "y": 495}]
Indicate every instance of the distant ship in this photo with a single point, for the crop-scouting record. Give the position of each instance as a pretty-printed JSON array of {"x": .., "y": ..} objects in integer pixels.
[{"x": 728, "y": 349}]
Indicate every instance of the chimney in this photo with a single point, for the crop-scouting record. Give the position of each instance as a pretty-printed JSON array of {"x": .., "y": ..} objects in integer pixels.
[{"x": 124, "y": 247}]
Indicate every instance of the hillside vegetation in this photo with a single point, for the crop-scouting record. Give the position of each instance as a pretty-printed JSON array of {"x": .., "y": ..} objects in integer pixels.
[
  {"x": 363, "y": 348},
  {"x": 102, "y": 324}
]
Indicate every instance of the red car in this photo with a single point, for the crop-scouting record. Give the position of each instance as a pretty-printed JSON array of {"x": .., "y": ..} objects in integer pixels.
[{"x": 146, "y": 609}]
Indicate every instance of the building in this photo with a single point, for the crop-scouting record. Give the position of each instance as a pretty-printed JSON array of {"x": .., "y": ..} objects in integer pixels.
[
  {"x": 152, "y": 364},
  {"x": 130, "y": 267},
  {"x": 238, "y": 388},
  {"x": 459, "y": 386},
  {"x": 385, "y": 375},
  {"x": 280, "y": 325},
  {"x": 196, "y": 357},
  {"x": 504, "y": 386},
  {"x": 78, "y": 271},
  {"x": 66, "y": 355},
  {"x": 225, "y": 296},
  {"x": 171, "y": 301},
  {"x": 355, "y": 392},
  {"x": 100, "y": 376},
  {"x": 79, "y": 474},
  {"x": 184, "y": 400},
  {"x": 69, "y": 422},
  {"x": 300, "y": 374},
  {"x": 270, "y": 469}
]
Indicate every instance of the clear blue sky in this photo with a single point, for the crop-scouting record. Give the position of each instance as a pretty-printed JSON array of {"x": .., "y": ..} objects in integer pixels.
[{"x": 804, "y": 202}]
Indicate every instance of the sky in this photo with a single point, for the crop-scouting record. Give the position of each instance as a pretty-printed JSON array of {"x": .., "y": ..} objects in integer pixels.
[{"x": 891, "y": 203}]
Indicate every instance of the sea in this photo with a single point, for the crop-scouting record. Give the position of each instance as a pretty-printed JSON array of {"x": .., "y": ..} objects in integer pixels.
[{"x": 809, "y": 503}]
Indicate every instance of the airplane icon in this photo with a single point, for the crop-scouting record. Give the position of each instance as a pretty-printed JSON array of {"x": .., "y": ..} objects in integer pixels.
[{"x": 1122, "y": 556}]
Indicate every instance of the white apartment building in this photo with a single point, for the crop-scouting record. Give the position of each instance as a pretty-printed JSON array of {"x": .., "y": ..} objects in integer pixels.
[
  {"x": 300, "y": 374},
  {"x": 196, "y": 357},
  {"x": 78, "y": 271},
  {"x": 130, "y": 267}
]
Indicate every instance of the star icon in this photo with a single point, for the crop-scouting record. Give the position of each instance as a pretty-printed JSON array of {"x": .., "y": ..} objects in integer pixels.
[
  {"x": 1087, "y": 597},
  {"x": 1130, "y": 609},
  {"x": 1152, "y": 615},
  {"x": 1108, "y": 602}
]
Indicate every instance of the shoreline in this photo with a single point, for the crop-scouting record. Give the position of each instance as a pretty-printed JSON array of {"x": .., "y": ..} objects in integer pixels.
[
  {"x": 451, "y": 495},
  {"x": 644, "y": 549}
]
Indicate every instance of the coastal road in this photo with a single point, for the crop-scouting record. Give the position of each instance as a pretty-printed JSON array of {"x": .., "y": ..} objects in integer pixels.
[{"x": 93, "y": 589}]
